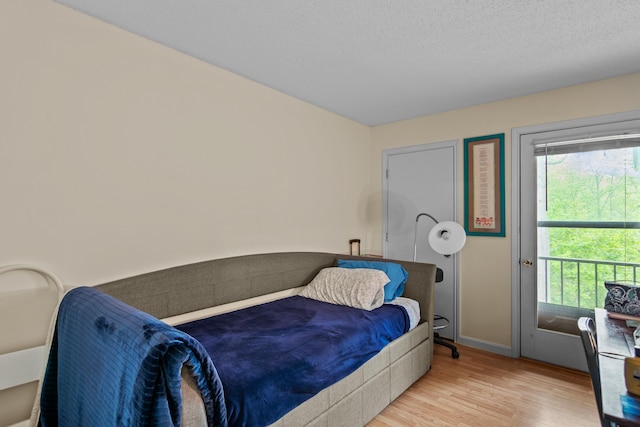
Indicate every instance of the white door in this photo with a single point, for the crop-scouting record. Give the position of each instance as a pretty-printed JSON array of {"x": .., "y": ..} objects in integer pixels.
[
  {"x": 561, "y": 281},
  {"x": 422, "y": 179}
]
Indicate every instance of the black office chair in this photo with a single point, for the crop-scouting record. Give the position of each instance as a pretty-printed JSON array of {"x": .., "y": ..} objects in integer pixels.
[
  {"x": 444, "y": 322},
  {"x": 587, "y": 327}
]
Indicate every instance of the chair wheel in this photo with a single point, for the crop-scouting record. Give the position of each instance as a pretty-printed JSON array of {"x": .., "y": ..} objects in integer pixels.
[{"x": 455, "y": 354}]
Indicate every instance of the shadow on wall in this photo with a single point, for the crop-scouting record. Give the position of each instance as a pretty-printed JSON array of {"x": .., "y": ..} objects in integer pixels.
[{"x": 370, "y": 209}]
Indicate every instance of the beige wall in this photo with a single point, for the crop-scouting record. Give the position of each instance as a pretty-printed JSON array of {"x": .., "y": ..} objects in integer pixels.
[
  {"x": 119, "y": 156},
  {"x": 485, "y": 279}
]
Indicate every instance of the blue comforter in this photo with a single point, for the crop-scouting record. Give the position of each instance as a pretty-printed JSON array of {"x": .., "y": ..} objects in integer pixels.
[
  {"x": 274, "y": 356},
  {"x": 113, "y": 365}
]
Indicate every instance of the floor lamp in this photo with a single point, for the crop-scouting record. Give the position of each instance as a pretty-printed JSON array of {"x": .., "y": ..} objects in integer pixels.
[{"x": 446, "y": 238}]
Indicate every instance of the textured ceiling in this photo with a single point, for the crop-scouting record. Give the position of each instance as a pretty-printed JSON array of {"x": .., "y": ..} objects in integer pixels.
[{"x": 378, "y": 61}]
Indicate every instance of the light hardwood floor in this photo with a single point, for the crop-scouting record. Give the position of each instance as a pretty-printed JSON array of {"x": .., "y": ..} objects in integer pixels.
[{"x": 483, "y": 389}]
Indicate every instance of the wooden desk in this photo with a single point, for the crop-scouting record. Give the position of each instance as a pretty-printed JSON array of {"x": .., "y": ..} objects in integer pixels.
[{"x": 615, "y": 341}]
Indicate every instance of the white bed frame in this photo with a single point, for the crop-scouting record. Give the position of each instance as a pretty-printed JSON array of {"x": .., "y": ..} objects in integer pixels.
[{"x": 26, "y": 365}]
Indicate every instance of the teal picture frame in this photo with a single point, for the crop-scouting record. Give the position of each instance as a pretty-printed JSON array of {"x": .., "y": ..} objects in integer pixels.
[{"x": 484, "y": 182}]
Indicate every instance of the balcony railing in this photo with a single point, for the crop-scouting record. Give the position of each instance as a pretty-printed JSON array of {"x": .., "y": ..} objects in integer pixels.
[{"x": 580, "y": 282}]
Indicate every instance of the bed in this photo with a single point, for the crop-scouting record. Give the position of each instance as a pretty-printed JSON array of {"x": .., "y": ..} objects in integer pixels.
[{"x": 277, "y": 290}]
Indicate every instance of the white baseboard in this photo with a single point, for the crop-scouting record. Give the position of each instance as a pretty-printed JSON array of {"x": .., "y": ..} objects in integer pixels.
[{"x": 486, "y": 346}]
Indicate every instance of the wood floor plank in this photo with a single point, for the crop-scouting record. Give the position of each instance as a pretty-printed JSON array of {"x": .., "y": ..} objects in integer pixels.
[{"x": 484, "y": 389}]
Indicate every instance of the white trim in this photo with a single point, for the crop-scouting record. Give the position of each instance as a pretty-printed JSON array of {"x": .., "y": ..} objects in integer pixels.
[
  {"x": 515, "y": 242},
  {"x": 501, "y": 349},
  {"x": 516, "y": 135}
]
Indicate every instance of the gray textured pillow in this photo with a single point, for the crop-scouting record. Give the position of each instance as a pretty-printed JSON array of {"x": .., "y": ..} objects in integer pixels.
[{"x": 354, "y": 287}]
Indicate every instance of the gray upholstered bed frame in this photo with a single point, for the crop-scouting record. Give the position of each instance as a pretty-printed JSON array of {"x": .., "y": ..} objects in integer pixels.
[{"x": 353, "y": 401}]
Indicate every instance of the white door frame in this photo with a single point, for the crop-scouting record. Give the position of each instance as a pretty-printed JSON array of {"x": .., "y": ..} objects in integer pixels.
[
  {"x": 453, "y": 144},
  {"x": 516, "y": 134}
]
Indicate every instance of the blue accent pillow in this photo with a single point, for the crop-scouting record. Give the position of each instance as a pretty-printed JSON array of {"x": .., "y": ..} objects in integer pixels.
[{"x": 397, "y": 274}]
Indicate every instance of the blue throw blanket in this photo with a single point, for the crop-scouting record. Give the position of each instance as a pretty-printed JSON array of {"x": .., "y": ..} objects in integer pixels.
[
  {"x": 113, "y": 365},
  {"x": 274, "y": 356}
]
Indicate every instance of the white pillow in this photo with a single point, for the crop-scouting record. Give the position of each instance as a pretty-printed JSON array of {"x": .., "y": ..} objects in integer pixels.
[{"x": 354, "y": 287}]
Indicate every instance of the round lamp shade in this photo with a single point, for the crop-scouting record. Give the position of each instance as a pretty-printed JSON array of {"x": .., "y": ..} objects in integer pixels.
[{"x": 447, "y": 237}]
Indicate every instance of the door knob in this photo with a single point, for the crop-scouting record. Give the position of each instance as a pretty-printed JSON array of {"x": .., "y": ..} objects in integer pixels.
[{"x": 527, "y": 263}]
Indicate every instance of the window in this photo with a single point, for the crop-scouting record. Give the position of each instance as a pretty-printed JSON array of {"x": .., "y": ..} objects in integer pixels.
[{"x": 588, "y": 220}]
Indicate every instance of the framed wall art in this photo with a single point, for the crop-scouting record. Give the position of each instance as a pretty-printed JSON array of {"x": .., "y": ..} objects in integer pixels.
[{"x": 484, "y": 186}]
